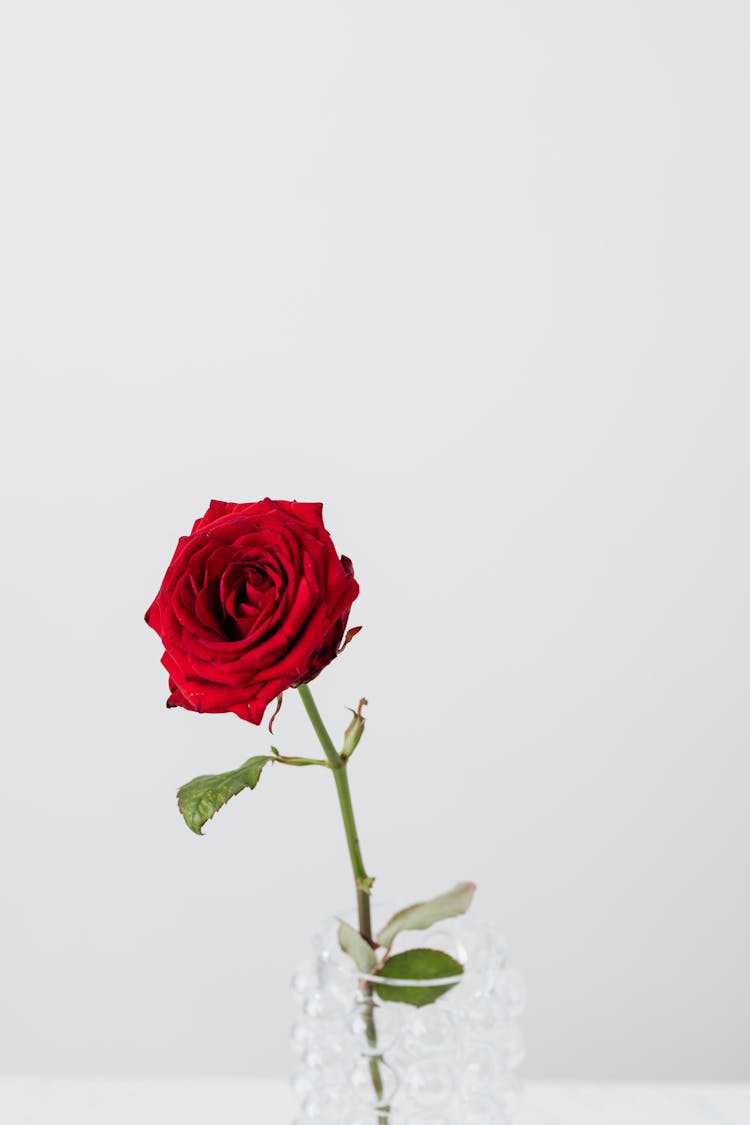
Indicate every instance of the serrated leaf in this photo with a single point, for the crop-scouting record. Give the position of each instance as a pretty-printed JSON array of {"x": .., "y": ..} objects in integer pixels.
[
  {"x": 422, "y": 915},
  {"x": 361, "y": 953},
  {"x": 416, "y": 965},
  {"x": 200, "y": 798}
]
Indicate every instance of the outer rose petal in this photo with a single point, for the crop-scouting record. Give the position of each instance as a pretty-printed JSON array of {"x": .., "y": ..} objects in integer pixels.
[
  {"x": 229, "y": 651},
  {"x": 216, "y": 508},
  {"x": 312, "y": 514},
  {"x": 153, "y": 617},
  {"x": 176, "y": 698}
]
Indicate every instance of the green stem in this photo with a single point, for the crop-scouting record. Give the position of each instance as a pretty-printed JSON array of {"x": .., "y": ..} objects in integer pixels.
[
  {"x": 358, "y": 867},
  {"x": 361, "y": 880},
  {"x": 319, "y": 726},
  {"x": 338, "y": 765}
]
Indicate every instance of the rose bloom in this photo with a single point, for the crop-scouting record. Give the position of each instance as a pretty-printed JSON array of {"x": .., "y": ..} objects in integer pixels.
[{"x": 255, "y": 600}]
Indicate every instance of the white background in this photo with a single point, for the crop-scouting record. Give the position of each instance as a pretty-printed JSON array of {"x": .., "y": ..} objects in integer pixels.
[{"x": 476, "y": 276}]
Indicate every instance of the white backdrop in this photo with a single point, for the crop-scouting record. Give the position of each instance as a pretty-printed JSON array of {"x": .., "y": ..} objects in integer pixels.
[{"x": 476, "y": 276}]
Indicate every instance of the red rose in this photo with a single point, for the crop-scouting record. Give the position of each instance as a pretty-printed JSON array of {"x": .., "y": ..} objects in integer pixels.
[{"x": 255, "y": 600}]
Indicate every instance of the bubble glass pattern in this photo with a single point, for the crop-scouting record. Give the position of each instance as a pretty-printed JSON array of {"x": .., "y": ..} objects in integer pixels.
[{"x": 361, "y": 1060}]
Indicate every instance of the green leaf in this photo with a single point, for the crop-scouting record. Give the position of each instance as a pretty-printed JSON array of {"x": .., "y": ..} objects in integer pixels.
[
  {"x": 352, "y": 942},
  {"x": 200, "y": 798},
  {"x": 414, "y": 965},
  {"x": 422, "y": 915}
]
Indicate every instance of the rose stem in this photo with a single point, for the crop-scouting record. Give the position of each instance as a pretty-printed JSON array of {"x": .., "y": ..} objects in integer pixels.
[{"x": 361, "y": 880}]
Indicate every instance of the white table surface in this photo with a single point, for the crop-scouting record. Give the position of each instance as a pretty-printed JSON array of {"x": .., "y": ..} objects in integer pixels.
[{"x": 47, "y": 1100}]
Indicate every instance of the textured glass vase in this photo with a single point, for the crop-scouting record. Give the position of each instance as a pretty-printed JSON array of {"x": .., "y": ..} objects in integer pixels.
[{"x": 364, "y": 1060}]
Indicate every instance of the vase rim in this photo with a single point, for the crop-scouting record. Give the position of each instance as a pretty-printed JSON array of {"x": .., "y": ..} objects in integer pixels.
[{"x": 404, "y": 982}]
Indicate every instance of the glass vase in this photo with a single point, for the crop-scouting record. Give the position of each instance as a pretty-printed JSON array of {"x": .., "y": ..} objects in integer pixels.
[{"x": 363, "y": 1059}]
